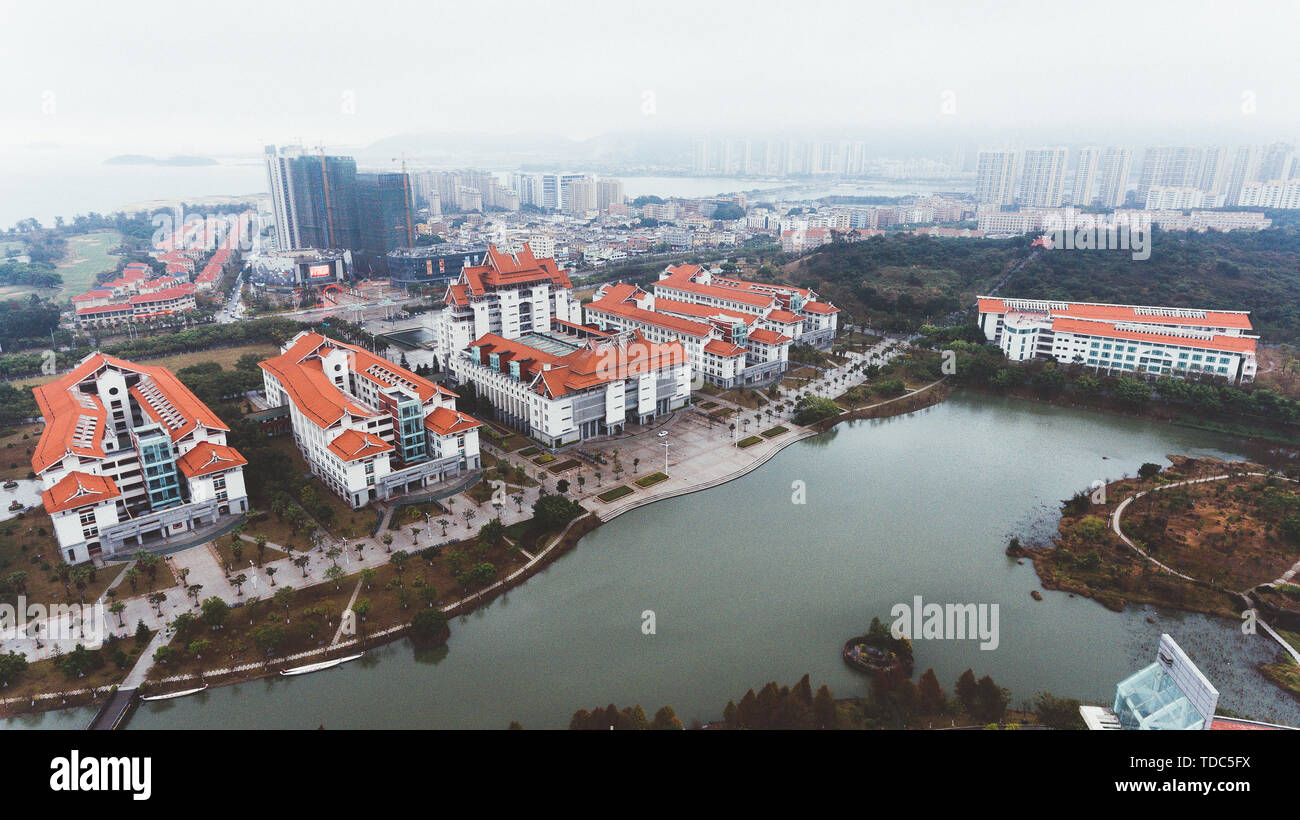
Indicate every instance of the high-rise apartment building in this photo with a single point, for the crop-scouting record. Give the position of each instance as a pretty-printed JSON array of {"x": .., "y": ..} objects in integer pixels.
[
  {"x": 1086, "y": 169},
  {"x": 1170, "y": 167},
  {"x": 995, "y": 177},
  {"x": 1112, "y": 179},
  {"x": 385, "y": 213},
  {"x": 1042, "y": 177}
]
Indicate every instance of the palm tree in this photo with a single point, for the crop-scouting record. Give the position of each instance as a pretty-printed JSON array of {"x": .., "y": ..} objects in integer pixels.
[
  {"x": 270, "y": 573},
  {"x": 415, "y": 536},
  {"x": 442, "y": 522},
  {"x": 238, "y": 583},
  {"x": 156, "y": 600},
  {"x": 301, "y": 563},
  {"x": 387, "y": 538},
  {"x": 117, "y": 608}
]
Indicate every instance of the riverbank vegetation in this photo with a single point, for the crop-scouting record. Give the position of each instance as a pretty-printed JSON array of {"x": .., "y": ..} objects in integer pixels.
[
  {"x": 898, "y": 282},
  {"x": 895, "y": 702},
  {"x": 1228, "y": 536},
  {"x": 1254, "y": 410}
]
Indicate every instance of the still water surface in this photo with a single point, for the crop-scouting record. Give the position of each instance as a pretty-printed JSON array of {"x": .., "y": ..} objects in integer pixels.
[{"x": 748, "y": 587}]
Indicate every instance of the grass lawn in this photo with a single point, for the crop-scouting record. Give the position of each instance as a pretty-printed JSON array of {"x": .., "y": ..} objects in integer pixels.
[
  {"x": 348, "y": 523},
  {"x": 16, "y": 446},
  {"x": 651, "y": 480},
  {"x": 708, "y": 405},
  {"x": 312, "y": 614},
  {"x": 87, "y": 257},
  {"x": 567, "y": 464},
  {"x": 247, "y": 552},
  {"x": 23, "y": 548},
  {"x": 749, "y": 442},
  {"x": 225, "y": 356},
  {"x": 50, "y": 676},
  {"x": 745, "y": 398},
  {"x": 544, "y": 458},
  {"x": 773, "y": 432},
  {"x": 615, "y": 493},
  {"x": 529, "y": 452}
]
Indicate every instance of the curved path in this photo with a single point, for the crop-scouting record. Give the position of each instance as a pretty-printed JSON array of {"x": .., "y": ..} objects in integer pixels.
[{"x": 1123, "y": 505}]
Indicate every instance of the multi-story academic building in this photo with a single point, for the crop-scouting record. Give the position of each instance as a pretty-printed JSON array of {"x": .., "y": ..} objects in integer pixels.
[
  {"x": 725, "y": 347},
  {"x": 572, "y": 383},
  {"x": 368, "y": 428},
  {"x": 130, "y": 459},
  {"x": 1157, "y": 341},
  {"x": 508, "y": 295},
  {"x": 809, "y": 320}
]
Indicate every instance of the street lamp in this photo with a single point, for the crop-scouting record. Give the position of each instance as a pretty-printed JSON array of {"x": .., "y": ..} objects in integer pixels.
[{"x": 665, "y": 444}]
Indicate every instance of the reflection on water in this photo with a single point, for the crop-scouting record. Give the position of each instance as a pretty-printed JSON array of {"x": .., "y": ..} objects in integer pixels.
[{"x": 748, "y": 587}]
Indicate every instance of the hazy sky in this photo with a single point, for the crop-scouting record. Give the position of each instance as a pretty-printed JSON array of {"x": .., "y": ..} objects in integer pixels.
[{"x": 230, "y": 76}]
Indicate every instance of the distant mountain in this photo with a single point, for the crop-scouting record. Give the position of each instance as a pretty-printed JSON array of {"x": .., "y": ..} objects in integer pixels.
[{"x": 177, "y": 161}]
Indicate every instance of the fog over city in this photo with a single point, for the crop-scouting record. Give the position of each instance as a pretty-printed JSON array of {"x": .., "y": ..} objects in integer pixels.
[{"x": 911, "y": 78}]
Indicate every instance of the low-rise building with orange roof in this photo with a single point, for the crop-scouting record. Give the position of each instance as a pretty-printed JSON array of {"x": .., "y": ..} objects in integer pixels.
[
  {"x": 774, "y": 304},
  {"x": 131, "y": 459},
  {"x": 1124, "y": 339},
  {"x": 568, "y": 385},
  {"x": 368, "y": 428}
]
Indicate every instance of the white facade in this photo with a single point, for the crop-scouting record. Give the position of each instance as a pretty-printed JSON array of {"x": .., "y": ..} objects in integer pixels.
[{"x": 1124, "y": 339}]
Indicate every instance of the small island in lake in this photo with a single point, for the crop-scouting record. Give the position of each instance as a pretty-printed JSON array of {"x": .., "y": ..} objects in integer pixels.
[{"x": 878, "y": 652}]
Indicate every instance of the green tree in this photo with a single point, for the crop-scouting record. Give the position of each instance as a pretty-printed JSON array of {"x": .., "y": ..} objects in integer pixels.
[
  {"x": 666, "y": 718},
  {"x": 966, "y": 690}
]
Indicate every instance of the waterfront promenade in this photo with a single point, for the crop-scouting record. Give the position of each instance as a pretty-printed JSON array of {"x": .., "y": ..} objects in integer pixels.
[{"x": 700, "y": 454}]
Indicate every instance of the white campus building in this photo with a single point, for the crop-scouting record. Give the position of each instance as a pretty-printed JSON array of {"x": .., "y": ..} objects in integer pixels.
[
  {"x": 368, "y": 428},
  {"x": 509, "y": 295},
  {"x": 1159, "y": 341},
  {"x": 725, "y": 347},
  {"x": 131, "y": 459},
  {"x": 573, "y": 383},
  {"x": 694, "y": 285}
]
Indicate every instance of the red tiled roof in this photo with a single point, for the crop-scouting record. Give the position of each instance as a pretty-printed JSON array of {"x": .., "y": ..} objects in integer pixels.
[
  {"x": 315, "y": 394},
  {"x": 1232, "y": 344},
  {"x": 699, "y": 311},
  {"x": 92, "y": 294},
  {"x": 628, "y": 310},
  {"x": 77, "y": 489},
  {"x": 354, "y": 444},
  {"x": 819, "y": 307},
  {"x": 769, "y": 337},
  {"x": 1129, "y": 313},
  {"x": 162, "y": 295},
  {"x": 681, "y": 278},
  {"x": 599, "y": 361},
  {"x": 206, "y": 457},
  {"x": 74, "y": 421},
  {"x": 86, "y": 311},
  {"x": 784, "y": 317},
  {"x": 444, "y": 421},
  {"x": 725, "y": 349},
  {"x": 504, "y": 270}
]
